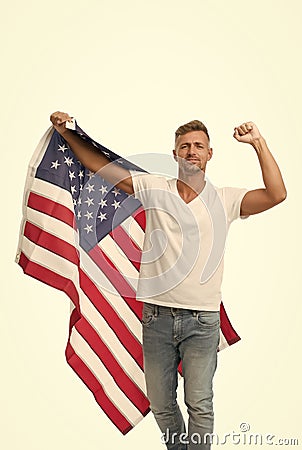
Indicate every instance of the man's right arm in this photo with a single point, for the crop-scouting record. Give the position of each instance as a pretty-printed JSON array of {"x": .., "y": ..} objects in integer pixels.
[{"x": 92, "y": 158}]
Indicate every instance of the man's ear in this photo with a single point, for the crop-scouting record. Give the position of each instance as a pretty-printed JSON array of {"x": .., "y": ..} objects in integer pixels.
[
  {"x": 210, "y": 153},
  {"x": 175, "y": 154}
]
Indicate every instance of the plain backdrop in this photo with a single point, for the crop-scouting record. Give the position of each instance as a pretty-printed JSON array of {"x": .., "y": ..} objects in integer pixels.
[{"x": 131, "y": 72}]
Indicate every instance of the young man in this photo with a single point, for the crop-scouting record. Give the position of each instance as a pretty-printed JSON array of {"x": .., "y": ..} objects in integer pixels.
[{"x": 182, "y": 266}]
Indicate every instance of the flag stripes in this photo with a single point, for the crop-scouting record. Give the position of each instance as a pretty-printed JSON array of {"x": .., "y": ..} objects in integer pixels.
[
  {"x": 228, "y": 335},
  {"x": 124, "y": 346},
  {"x": 45, "y": 241},
  {"x": 125, "y": 337},
  {"x": 105, "y": 379},
  {"x": 116, "y": 278},
  {"x": 47, "y": 276},
  {"x": 128, "y": 247},
  {"x": 50, "y": 242},
  {"x": 51, "y": 208},
  {"x": 96, "y": 388},
  {"x": 134, "y": 227},
  {"x": 121, "y": 376},
  {"x": 118, "y": 258},
  {"x": 135, "y": 389}
]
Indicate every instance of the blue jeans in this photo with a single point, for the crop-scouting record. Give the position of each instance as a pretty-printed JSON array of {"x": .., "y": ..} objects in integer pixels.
[{"x": 171, "y": 335}]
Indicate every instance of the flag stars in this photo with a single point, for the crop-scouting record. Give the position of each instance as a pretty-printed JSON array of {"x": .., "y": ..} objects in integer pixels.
[
  {"x": 73, "y": 190},
  {"x": 62, "y": 148},
  {"x": 68, "y": 160},
  {"x": 103, "y": 203},
  {"x": 89, "y": 201},
  {"x": 74, "y": 202},
  {"x": 88, "y": 228},
  {"x": 71, "y": 175},
  {"x": 81, "y": 174},
  {"x": 103, "y": 190},
  {"x": 116, "y": 204},
  {"x": 102, "y": 216},
  {"x": 79, "y": 201},
  {"x": 116, "y": 192},
  {"x": 90, "y": 187},
  {"x": 90, "y": 174},
  {"x": 55, "y": 164},
  {"x": 79, "y": 214},
  {"x": 88, "y": 215}
]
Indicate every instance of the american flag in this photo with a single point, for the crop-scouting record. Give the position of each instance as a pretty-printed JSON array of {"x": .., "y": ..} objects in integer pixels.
[{"x": 79, "y": 235}]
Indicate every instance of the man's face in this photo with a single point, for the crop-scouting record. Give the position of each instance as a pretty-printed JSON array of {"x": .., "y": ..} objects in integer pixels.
[{"x": 192, "y": 151}]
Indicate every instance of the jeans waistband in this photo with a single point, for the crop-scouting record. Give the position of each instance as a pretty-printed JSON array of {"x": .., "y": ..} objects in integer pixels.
[{"x": 168, "y": 310}]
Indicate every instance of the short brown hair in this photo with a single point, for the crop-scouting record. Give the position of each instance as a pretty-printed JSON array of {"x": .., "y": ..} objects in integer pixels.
[{"x": 194, "y": 125}]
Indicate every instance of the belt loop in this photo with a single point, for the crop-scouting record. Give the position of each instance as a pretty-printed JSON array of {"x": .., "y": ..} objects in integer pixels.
[
  {"x": 155, "y": 310},
  {"x": 194, "y": 313}
]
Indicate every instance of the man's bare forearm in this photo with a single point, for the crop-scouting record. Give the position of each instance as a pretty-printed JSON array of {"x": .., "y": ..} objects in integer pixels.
[
  {"x": 271, "y": 174},
  {"x": 97, "y": 162},
  {"x": 91, "y": 157},
  {"x": 86, "y": 153},
  {"x": 262, "y": 199}
]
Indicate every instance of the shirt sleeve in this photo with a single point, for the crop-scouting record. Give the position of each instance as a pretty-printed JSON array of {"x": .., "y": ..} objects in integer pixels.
[
  {"x": 233, "y": 198},
  {"x": 143, "y": 182}
]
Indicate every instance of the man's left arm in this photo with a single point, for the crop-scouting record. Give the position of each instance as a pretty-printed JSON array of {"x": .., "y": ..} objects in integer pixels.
[{"x": 259, "y": 200}]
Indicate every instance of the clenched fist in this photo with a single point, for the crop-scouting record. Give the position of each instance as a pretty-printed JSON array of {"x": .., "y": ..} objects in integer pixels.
[
  {"x": 58, "y": 120},
  {"x": 247, "y": 132}
]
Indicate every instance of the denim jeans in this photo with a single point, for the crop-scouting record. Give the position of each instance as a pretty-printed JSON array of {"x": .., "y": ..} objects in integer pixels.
[{"x": 171, "y": 335}]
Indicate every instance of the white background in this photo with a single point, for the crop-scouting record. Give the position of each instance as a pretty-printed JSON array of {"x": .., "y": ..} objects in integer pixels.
[{"x": 131, "y": 72}]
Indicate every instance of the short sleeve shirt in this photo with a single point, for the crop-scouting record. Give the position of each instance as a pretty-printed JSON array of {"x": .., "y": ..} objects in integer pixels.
[{"x": 182, "y": 258}]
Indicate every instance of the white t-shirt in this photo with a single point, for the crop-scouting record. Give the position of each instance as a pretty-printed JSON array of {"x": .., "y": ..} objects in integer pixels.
[{"x": 182, "y": 259}]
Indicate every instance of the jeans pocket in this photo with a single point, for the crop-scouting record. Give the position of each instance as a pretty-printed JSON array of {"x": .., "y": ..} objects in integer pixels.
[
  {"x": 148, "y": 314},
  {"x": 209, "y": 319}
]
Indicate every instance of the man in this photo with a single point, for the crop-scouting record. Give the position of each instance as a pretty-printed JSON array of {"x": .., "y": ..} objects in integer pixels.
[{"x": 182, "y": 266}]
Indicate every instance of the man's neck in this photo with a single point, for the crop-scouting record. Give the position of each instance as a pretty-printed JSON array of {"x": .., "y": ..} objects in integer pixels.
[{"x": 186, "y": 183}]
